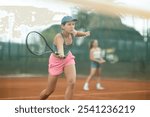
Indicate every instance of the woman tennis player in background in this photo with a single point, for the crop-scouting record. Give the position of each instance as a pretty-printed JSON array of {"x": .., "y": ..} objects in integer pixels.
[
  {"x": 96, "y": 62},
  {"x": 64, "y": 62}
]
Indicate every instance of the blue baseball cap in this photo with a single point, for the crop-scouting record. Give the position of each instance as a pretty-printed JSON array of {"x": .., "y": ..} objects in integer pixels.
[{"x": 68, "y": 19}]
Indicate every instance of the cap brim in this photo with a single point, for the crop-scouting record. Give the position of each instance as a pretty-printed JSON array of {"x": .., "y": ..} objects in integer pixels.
[{"x": 74, "y": 20}]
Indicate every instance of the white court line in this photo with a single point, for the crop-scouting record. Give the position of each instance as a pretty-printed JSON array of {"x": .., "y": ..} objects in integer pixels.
[{"x": 87, "y": 94}]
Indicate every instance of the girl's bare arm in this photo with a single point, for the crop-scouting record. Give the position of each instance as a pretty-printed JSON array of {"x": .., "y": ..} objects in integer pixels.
[
  {"x": 59, "y": 44},
  {"x": 80, "y": 33}
]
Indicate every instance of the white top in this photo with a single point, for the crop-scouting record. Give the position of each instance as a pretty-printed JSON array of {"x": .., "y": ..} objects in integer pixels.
[{"x": 97, "y": 54}]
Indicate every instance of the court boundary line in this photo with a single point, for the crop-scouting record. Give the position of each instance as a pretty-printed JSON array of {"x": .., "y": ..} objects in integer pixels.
[{"x": 86, "y": 93}]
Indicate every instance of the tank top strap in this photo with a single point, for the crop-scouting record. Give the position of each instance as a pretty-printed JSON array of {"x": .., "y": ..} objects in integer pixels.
[{"x": 62, "y": 36}]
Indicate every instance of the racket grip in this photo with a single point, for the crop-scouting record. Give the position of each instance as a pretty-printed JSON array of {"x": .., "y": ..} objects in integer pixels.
[{"x": 56, "y": 53}]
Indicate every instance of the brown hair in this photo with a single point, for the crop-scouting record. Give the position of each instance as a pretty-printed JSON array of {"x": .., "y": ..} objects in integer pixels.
[{"x": 91, "y": 43}]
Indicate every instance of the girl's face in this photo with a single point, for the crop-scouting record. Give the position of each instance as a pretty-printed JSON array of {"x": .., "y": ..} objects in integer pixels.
[
  {"x": 69, "y": 26},
  {"x": 95, "y": 43}
]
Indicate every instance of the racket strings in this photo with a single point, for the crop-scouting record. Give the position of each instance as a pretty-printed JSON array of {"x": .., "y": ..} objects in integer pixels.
[{"x": 36, "y": 43}]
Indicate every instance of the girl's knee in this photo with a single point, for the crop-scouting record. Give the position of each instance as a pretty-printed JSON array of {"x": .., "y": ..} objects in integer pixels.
[
  {"x": 71, "y": 83},
  {"x": 45, "y": 94}
]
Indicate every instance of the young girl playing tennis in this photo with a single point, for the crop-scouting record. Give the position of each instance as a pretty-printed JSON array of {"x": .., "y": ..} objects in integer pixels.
[
  {"x": 96, "y": 61},
  {"x": 64, "y": 62}
]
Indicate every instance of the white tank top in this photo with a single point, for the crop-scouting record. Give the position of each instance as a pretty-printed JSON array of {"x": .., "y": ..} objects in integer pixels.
[{"x": 97, "y": 54}]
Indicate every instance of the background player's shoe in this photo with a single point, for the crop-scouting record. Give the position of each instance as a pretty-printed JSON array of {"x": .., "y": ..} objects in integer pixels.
[
  {"x": 86, "y": 87},
  {"x": 99, "y": 87}
]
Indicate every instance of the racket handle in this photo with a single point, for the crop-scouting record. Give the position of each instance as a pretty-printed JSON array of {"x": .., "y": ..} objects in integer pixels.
[{"x": 56, "y": 53}]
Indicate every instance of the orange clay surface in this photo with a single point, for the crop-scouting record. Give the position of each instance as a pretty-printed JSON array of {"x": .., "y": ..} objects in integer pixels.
[{"x": 21, "y": 88}]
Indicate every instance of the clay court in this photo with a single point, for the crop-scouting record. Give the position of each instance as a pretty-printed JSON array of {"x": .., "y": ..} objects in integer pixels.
[
  {"x": 123, "y": 32},
  {"x": 28, "y": 88}
]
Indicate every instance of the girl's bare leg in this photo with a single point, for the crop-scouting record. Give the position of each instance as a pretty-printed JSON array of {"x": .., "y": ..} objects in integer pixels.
[
  {"x": 52, "y": 80},
  {"x": 70, "y": 74},
  {"x": 92, "y": 73},
  {"x": 98, "y": 75},
  {"x": 86, "y": 84}
]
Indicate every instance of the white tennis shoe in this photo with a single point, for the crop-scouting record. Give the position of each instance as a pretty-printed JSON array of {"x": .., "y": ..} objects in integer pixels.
[
  {"x": 86, "y": 87},
  {"x": 99, "y": 87}
]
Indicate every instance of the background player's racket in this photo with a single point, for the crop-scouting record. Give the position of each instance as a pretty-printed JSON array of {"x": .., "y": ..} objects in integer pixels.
[
  {"x": 106, "y": 54},
  {"x": 109, "y": 55},
  {"x": 37, "y": 44}
]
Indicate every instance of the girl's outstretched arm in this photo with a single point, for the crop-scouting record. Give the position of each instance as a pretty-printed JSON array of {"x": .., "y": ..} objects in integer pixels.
[{"x": 80, "y": 33}]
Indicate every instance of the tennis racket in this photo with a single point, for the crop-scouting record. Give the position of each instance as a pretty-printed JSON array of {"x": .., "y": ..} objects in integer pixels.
[
  {"x": 110, "y": 56},
  {"x": 37, "y": 44}
]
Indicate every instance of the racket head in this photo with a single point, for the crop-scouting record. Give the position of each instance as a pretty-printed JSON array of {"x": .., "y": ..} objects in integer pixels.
[
  {"x": 112, "y": 58},
  {"x": 37, "y": 44}
]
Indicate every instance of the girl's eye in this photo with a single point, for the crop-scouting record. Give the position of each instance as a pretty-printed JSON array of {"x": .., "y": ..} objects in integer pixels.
[{"x": 71, "y": 24}]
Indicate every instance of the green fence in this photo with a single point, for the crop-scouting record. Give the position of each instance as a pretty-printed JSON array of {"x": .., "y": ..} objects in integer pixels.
[{"x": 133, "y": 53}]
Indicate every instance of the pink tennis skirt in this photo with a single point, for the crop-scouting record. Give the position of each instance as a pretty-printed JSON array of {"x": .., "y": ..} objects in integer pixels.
[{"x": 56, "y": 65}]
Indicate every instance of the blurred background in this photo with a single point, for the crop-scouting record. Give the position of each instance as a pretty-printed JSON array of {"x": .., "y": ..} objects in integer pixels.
[{"x": 122, "y": 28}]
